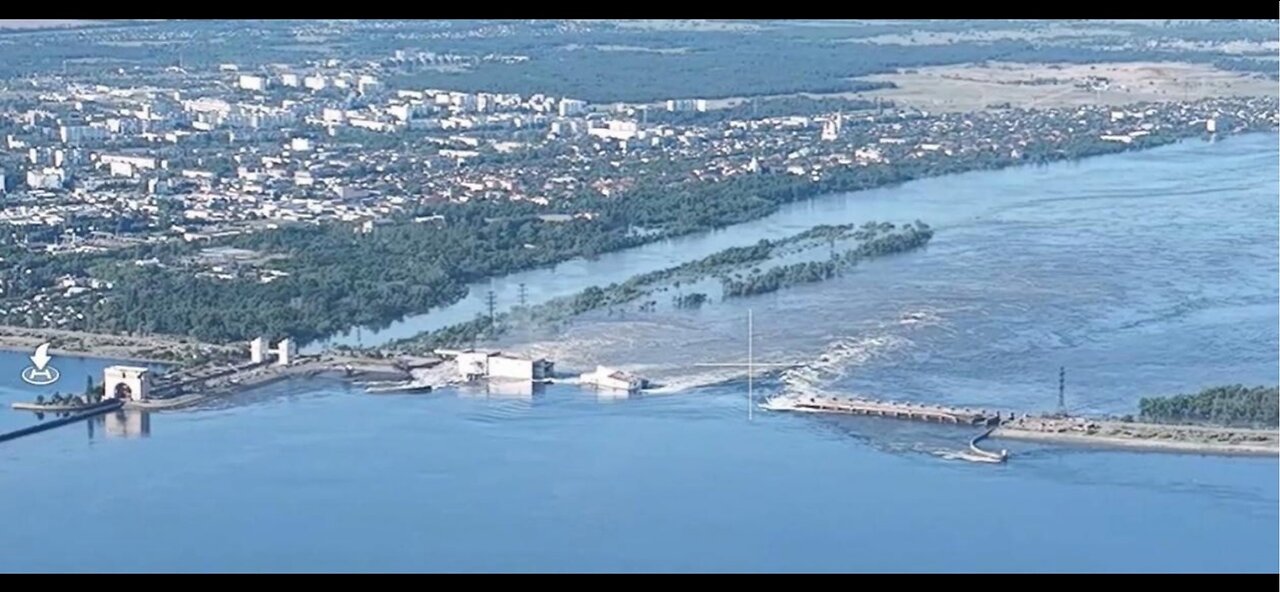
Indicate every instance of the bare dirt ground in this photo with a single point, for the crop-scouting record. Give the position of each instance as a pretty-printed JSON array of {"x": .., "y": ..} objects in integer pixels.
[
  {"x": 77, "y": 343},
  {"x": 45, "y": 23},
  {"x": 1052, "y": 31},
  {"x": 974, "y": 87},
  {"x": 694, "y": 25},
  {"x": 977, "y": 86}
]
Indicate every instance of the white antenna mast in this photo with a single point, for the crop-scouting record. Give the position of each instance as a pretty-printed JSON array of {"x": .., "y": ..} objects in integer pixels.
[
  {"x": 751, "y": 397},
  {"x": 751, "y": 365}
]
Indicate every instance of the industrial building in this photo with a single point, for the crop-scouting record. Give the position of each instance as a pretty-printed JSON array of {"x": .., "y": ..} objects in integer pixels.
[
  {"x": 609, "y": 378},
  {"x": 675, "y": 105},
  {"x": 131, "y": 383},
  {"x": 257, "y": 350},
  {"x": 501, "y": 366},
  {"x": 286, "y": 351},
  {"x": 474, "y": 365}
]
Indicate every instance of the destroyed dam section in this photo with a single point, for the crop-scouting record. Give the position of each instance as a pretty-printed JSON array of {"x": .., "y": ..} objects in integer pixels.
[{"x": 142, "y": 388}]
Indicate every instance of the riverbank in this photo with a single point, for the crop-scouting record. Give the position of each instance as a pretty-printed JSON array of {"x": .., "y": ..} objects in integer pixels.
[
  {"x": 155, "y": 349},
  {"x": 1143, "y": 436}
]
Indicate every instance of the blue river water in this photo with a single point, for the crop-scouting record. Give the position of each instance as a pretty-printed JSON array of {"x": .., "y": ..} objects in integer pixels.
[{"x": 1144, "y": 273}]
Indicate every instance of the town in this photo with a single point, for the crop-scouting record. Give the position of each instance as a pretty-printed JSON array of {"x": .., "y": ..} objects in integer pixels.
[{"x": 93, "y": 168}]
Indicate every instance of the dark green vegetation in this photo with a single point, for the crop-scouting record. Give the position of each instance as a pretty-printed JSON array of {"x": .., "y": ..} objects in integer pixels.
[
  {"x": 876, "y": 239},
  {"x": 693, "y": 300},
  {"x": 1234, "y": 406},
  {"x": 339, "y": 278},
  {"x": 910, "y": 237}
]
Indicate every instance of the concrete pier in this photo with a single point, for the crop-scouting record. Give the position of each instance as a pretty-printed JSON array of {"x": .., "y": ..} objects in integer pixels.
[{"x": 85, "y": 413}]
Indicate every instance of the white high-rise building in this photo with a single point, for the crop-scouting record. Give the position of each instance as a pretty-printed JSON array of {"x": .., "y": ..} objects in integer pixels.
[
  {"x": 572, "y": 107},
  {"x": 402, "y": 112},
  {"x": 250, "y": 82},
  {"x": 289, "y": 79},
  {"x": 615, "y": 130},
  {"x": 831, "y": 128},
  {"x": 368, "y": 85},
  {"x": 76, "y": 134},
  {"x": 47, "y": 178}
]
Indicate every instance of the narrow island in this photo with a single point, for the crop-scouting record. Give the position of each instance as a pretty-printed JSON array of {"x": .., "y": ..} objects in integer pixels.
[{"x": 741, "y": 272}]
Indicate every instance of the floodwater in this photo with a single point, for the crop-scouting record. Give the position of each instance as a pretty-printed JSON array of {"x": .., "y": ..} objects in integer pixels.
[{"x": 1144, "y": 273}]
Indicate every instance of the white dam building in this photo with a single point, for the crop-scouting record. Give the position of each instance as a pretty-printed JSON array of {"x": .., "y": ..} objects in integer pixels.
[{"x": 475, "y": 365}]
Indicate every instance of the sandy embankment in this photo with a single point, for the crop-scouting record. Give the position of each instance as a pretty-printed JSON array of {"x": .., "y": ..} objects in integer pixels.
[{"x": 1155, "y": 437}]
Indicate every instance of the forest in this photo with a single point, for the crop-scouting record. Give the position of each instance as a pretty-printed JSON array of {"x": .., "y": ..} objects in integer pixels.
[
  {"x": 908, "y": 238},
  {"x": 339, "y": 279},
  {"x": 1230, "y": 406}
]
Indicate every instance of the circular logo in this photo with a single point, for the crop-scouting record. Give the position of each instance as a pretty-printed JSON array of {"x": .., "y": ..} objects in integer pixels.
[{"x": 40, "y": 376}]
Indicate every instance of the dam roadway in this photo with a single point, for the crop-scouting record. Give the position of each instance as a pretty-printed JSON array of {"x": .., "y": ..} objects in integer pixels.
[{"x": 895, "y": 409}]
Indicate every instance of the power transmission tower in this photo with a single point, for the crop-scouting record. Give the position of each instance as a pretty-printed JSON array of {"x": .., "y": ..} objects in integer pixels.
[
  {"x": 1062, "y": 383},
  {"x": 523, "y": 294},
  {"x": 491, "y": 300}
]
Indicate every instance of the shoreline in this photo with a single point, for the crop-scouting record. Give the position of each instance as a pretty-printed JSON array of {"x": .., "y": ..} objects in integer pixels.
[
  {"x": 1138, "y": 444},
  {"x": 66, "y": 353}
]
